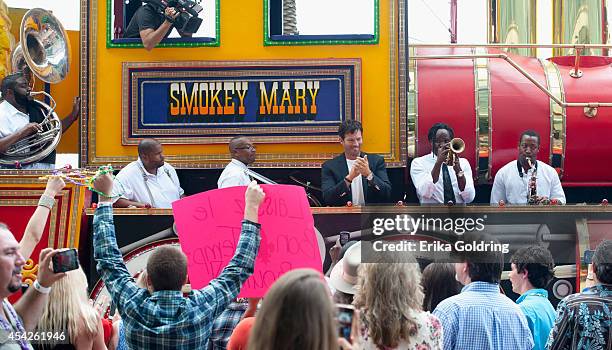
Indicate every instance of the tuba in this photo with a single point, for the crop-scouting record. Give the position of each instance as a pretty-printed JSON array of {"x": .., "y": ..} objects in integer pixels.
[
  {"x": 45, "y": 49},
  {"x": 457, "y": 146}
]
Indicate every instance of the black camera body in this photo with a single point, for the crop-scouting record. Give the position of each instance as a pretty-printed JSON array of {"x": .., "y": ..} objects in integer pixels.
[{"x": 187, "y": 21}]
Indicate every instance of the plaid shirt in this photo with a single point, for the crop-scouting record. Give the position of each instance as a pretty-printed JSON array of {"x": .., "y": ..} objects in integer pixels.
[
  {"x": 224, "y": 325},
  {"x": 482, "y": 318},
  {"x": 165, "y": 319}
]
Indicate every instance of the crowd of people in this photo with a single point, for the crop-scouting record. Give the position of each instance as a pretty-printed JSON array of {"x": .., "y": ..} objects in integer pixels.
[{"x": 395, "y": 304}]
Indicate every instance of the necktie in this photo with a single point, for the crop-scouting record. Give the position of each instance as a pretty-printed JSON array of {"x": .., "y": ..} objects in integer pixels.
[{"x": 449, "y": 194}]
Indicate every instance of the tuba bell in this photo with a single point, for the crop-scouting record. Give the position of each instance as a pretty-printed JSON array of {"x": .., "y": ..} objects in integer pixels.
[
  {"x": 457, "y": 146},
  {"x": 44, "y": 48}
]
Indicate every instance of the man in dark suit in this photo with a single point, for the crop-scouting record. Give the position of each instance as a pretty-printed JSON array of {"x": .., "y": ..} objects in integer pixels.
[{"x": 366, "y": 181}]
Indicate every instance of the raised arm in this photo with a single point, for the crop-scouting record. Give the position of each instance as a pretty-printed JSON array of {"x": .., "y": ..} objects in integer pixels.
[
  {"x": 152, "y": 37},
  {"x": 36, "y": 225},
  {"x": 223, "y": 289},
  {"x": 110, "y": 265},
  {"x": 30, "y": 306}
]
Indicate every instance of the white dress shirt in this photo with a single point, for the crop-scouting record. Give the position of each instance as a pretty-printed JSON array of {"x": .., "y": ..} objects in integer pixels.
[
  {"x": 357, "y": 196},
  {"x": 11, "y": 119},
  {"x": 510, "y": 187},
  {"x": 429, "y": 191},
  {"x": 234, "y": 175},
  {"x": 164, "y": 187}
]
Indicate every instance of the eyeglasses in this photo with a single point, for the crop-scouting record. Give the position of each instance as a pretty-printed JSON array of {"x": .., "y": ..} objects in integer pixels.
[{"x": 249, "y": 147}]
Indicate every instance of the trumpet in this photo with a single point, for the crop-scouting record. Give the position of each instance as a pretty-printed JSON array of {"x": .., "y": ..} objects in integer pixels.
[{"x": 457, "y": 146}]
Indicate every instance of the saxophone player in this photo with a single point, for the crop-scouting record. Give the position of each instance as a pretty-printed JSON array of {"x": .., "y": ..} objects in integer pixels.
[{"x": 527, "y": 180}]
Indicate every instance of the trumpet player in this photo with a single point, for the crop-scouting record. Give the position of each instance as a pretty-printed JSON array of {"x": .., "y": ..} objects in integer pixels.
[
  {"x": 20, "y": 117},
  {"x": 527, "y": 180},
  {"x": 441, "y": 177}
]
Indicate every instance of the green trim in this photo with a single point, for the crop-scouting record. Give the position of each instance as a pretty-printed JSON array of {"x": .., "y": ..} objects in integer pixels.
[
  {"x": 270, "y": 42},
  {"x": 112, "y": 45}
]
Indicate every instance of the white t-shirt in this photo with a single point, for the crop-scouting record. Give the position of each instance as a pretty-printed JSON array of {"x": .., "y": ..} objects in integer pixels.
[
  {"x": 164, "y": 187},
  {"x": 356, "y": 185}
]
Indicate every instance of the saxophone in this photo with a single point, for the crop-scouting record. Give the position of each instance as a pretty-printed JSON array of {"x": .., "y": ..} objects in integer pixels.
[{"x": 532, "y": 196}]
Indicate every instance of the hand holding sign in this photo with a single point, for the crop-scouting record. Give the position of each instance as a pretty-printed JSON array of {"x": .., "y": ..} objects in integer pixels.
[{"x": 208, "y": 226}]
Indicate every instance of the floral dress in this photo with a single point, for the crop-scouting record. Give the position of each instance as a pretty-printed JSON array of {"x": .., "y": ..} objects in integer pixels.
[{"x": 428, "y": 335}]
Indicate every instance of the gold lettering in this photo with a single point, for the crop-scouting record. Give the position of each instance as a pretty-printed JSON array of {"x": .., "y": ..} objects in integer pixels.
[
  {"x": 174, "y": 101},
  {"x": 229, "y": 104},
  {"x": 313, "y": 89},
  {"x": 267, "y": 104},
  {"x": 188, "y": 104},
  {"x": 241, "y": 93},
  {"x": 300, "y": 95}
]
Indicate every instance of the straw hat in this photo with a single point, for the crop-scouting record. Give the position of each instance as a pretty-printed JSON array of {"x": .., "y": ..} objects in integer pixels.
[{"x": 344, "y": 275}]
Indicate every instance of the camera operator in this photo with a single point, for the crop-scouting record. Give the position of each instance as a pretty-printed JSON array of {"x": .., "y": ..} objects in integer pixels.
[{"x": 152, "y": 26}]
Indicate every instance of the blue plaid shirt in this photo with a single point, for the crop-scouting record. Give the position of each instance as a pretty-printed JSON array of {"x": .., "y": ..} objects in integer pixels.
[
  {"x": 224, "y": 325},
  {"x": 166, "y": 319},
  {"x": 480, "y": 317}
]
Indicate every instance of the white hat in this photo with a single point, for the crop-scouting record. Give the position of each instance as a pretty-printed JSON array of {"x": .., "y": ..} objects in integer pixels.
[{"x": 344, "y": 275}]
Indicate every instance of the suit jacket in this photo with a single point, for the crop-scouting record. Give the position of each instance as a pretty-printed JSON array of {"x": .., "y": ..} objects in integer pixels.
[{"x": 337, "y": 193}]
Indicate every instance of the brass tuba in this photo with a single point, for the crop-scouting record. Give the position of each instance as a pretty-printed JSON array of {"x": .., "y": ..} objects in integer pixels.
[
  {"x": 45, "y": 49},
  {"x": 457, "y": 146}
]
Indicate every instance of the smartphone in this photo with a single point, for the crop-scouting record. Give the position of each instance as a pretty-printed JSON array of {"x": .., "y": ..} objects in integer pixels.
[
  {"x": 345, "y": 320},
  {"x": 345, "y": 236},
  {"x": 588, "y": 256},
  {"x": 66, "y": 260}
]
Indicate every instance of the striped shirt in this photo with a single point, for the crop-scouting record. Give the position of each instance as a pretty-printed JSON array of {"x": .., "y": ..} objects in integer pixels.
[
  {"x": 166, "y": 319},
  {"x": 480, "y": 317}
]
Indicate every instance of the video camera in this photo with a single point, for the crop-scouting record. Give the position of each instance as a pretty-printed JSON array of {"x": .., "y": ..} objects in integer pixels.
[{"x": 187, "y": 20}]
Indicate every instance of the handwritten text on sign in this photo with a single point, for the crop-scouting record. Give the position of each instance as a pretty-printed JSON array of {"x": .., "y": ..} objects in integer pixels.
[{"x": 209, "y": 226}]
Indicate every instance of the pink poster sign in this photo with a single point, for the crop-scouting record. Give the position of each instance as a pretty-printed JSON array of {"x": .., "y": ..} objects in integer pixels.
[{"x": 209, "y": 223}]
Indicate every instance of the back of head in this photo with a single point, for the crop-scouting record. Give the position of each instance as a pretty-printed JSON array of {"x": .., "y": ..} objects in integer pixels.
[
  {"x": 390, "y": 291},
  {"x": 68, "y": 307},
  {"x": 602, "y": 260},
  {"x": 484, "y": 264},
  {"x": 438, "y": 283},
  {"x": 9, "y": 82},
  {"x": 167, "y": 268},
  {"x": 296, "y": 314},
  {"x": 537, "y": 262},
  {"x": 349, "y": 126}
]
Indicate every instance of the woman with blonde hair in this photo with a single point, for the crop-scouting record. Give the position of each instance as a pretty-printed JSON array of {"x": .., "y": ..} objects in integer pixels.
[
  {"x": 68, "y": 311},
  {"x": 297, "y": 313},
  {"x": 390, "y": 297}
]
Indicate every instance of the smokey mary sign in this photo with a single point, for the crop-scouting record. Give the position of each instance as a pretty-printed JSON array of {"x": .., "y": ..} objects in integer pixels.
[{"x": 209, "y": 224}]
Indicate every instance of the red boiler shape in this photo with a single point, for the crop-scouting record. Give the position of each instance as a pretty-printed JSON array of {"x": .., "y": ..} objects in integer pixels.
[{"x": 489, "y": 103}]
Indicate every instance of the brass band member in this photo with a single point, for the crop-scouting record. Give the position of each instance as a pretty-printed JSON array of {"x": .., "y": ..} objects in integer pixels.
[
  {"x": 436, "y": 181},
  {"x": 527, "y": 180},
  {"x": 20, "y": 117}
]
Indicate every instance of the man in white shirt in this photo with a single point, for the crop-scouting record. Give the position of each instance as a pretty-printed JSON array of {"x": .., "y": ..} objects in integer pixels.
[
  {"x": 354, "y": 176},
  {"x": 452, "y": 183},
  {"x": 20, "y": 117},
  {"x": 243, "y": 153},
  {"x": 148, "y": 181},
  {"x": 513, "y": 181}
]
